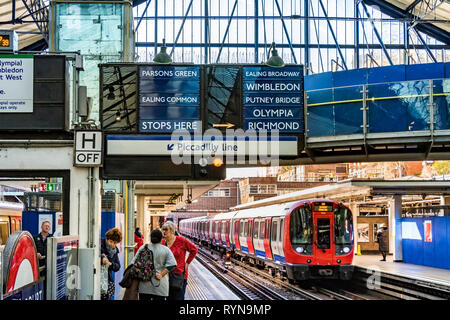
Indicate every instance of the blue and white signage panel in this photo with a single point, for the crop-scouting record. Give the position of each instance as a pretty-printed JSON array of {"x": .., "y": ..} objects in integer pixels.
[
  {"x": 16, "y": 83},
  {"x": 229, "y": 146},
  {"x": 273, "y": 99},
  {"x": 169, "y": 98}
]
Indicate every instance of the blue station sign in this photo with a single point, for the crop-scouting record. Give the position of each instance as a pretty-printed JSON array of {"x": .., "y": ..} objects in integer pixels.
[
  {"x": 273, "y": 99},
  {"x": 169, "y": 98}
]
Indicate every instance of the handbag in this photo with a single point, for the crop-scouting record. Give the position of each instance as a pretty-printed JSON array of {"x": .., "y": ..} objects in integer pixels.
[
  {"x": 104, "y": 279},
  {"x": 127, "y": 279},
  {"x": 176, "y": 281},
  {"x": 132, "y": 292}
]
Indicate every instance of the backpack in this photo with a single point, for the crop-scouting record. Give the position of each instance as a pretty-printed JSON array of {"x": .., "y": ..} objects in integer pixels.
[{"x": 143, "y": 267}]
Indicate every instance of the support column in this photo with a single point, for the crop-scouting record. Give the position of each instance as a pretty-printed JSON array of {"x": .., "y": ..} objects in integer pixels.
[
  {"x": 140, "y": 218},
  {"x": 355, "y": 213},
  {"x": 445, "y": 201},
  {"x": 129, "y": 245},
  {"x": 395, "y": 227}
]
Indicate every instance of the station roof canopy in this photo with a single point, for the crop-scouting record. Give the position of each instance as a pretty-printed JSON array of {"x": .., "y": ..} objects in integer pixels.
[
  {"x": 355, "y": 189},
  {"x": 429, "y": 16},
  {"x": 29, "y": 18}
]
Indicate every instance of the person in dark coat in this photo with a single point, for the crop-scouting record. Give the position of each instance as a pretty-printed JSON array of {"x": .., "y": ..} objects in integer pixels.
[
  {"x": 138, "y": 240},
  {"x": 383, "y": 241},
  {"x": 110, "y": 257},
  {"x": 41, "y": 245}
]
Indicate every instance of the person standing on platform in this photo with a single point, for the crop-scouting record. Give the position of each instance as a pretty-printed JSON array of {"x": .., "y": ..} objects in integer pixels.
[
  {"x": 179, "y": 247},
  {"x": 41, "y": 245},
  {"x": 157, "y": 289},
  {"x": 110, "y": 258},
  {"x": 138, "y": 240},
  {"x": 383, "y": 241}
]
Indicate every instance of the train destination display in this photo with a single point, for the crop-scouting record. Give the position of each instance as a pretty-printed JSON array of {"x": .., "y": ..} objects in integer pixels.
[
  {"x": 169, "y": 98},
  {"x": 273, "y": 98}
]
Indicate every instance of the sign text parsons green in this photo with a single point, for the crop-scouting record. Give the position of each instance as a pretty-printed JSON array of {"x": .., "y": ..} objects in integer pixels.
[{"x": 169, "y": 98}]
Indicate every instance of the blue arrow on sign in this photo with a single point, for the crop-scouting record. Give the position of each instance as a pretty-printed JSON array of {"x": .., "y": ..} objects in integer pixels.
[{"x": 170, "y": 147}]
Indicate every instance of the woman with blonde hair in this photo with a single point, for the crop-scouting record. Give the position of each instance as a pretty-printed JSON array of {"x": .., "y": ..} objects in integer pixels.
[{"x": 179, "y": 247}]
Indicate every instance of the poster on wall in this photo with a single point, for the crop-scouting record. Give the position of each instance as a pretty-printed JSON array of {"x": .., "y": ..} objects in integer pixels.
[
  {"x": 363, "y": 232},
  {"x": 427, "y": 231},
  {"x": 16, "y": 83}
]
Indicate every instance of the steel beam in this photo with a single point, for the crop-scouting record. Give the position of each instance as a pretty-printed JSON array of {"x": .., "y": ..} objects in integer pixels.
[
  {"x": 181, "y": 28},
  {"x": 285, "y": 31},
  {"x": 333, "y": 35},
  {"x": 226, "y": 31},
  {"x": 142, "y": 16},
  {"x": 377, "y": 34},
  {"x": 395, "y": 12}
]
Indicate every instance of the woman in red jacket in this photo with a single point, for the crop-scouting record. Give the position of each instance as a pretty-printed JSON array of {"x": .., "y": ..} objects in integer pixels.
[
  {"x": 138, "y": 240},
  {"x": 179, "y": 247}
]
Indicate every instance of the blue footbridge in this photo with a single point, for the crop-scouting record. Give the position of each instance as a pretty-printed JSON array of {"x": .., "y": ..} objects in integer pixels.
[{"x": 392, "y": 113}]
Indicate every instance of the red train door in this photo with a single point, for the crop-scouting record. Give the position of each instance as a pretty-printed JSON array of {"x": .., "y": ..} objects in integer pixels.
[
  {"x": 236, "y": 234},
  {"x": 323, "y": 244},
  {"x": 251, "y": 250},
  {"x": 267, "y": 238},
  {"x": 227, "y": 233}
]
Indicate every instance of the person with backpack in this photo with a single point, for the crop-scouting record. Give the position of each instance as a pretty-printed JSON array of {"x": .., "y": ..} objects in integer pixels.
[{"x": 157, "y": 288}]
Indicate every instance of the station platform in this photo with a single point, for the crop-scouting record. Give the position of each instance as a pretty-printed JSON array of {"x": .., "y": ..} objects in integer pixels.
[
  {"x": 440, "y": 277},
  {"x": 202, "y": 285}
]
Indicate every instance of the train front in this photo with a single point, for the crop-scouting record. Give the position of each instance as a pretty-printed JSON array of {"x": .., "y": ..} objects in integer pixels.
[{"x": 319, "y": 243}]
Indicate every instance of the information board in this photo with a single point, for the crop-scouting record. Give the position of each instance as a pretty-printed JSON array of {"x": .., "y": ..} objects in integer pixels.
[
  {"x": 169, "y": 98},
  {"x": 16, "y": 83},
  {"x": 273, "y": 99}
]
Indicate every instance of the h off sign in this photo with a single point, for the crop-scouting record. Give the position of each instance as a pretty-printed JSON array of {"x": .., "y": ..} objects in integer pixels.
[{"x": 88, "y": 149}]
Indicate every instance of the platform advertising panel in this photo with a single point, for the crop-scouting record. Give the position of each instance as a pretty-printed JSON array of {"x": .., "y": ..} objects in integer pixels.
[
  {"x": 62, "y": 268},
  {"x": 169, "y": 98},
  {"x": 273, "y": 98},
  {"x": 16, "y": 83}
]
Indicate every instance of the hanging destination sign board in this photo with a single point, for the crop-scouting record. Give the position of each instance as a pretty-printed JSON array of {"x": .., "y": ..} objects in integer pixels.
[
  {"x": 169, "y": 98},
  {"x": 273, "y": 98}
]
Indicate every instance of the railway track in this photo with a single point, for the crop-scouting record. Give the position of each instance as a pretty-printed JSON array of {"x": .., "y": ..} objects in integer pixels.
[
  {"x": 400, "y": 287},
  {"x": 388, "y": 287},
  {"x": 244, "y": 287}
]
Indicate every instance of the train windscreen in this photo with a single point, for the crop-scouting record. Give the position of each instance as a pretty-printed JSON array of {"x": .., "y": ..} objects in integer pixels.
[
  {"x": 301, "y": 227},
  {"x": 343, "y": 226}
]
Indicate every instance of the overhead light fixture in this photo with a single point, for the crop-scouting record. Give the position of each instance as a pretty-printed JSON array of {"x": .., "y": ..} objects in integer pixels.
[
  {"x": 111, "y": 95},
  {"x": 275, "y": 60},
  {"x": 162, "y": 57},
  {"x": 118, "y": 116}
]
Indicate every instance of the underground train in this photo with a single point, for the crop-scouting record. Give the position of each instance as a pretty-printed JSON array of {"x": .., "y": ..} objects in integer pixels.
[
  {"x": 308, "y": 239},
  {"x": 10, "y": 219}
]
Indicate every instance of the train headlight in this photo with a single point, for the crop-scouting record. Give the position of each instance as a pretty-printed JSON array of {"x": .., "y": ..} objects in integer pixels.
[
  {"x": 346, "y": 249},
  {"x": 299, "y": 249}
]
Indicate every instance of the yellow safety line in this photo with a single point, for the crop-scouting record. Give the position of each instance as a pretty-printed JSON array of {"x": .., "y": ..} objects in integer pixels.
[{"x": 374, "y": 99}]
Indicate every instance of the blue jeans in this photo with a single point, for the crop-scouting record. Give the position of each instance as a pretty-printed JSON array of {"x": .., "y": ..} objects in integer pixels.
[{"x": 178, "y": 295}]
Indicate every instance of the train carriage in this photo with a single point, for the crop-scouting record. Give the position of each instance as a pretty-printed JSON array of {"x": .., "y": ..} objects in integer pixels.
[
  {"x": 304, "y": 239},
  {"x": 10, "y": 219}
]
